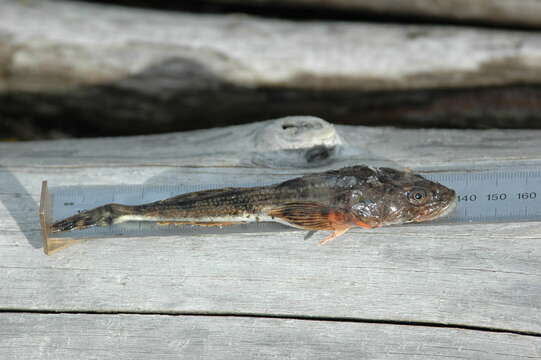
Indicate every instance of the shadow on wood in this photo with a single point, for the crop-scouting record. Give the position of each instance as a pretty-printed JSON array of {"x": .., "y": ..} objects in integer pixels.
[{"x": 16, "y": 199}]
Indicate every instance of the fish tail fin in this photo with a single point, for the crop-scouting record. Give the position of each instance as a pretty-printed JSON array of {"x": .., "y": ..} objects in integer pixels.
[{"x": 101, "y": 216}]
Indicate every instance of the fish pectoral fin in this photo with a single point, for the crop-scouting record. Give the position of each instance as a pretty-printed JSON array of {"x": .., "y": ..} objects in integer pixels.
[
  {"x": 304, "y": 215},
  {"x": 314, "y": 216}
]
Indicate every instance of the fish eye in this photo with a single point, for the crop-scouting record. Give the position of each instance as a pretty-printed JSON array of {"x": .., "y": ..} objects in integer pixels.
[{"x": 418, "y": 196}]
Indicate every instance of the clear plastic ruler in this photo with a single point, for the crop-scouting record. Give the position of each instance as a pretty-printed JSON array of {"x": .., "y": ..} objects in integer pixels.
[
  {"x": 493, "y": 196},
  {"x": 489, "y": 196}
]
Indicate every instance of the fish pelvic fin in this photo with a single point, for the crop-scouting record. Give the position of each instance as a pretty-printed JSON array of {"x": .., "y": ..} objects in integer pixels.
[{"x": 336, "y": 233}]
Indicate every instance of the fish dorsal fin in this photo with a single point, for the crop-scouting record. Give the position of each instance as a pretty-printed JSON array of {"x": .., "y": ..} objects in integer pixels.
[
  {"x": 304, "y": 215},
  {"x": 198, "y": 195}
]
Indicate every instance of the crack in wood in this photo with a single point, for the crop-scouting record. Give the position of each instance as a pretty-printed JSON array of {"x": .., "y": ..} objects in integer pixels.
[{"x": 277, "y": 316}]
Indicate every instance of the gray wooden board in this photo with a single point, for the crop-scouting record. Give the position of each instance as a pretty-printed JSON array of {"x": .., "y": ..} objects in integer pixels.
[
  {"x": 486, "y": 276},
  {"x": 70, "y": 336}
]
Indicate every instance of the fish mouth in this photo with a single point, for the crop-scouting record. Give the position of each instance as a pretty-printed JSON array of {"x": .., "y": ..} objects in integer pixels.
[
  {"x": 447, "y": 210},
  {"x": 443, "y": 211},
  {"x": 448, "y": 197}
]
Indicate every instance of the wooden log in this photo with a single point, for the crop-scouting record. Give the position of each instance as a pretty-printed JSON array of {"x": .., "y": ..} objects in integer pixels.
[
  {"x": 88, "y": 336},
  {"x": 502, "y": 12},
  {"x": 181, "y": 71},
  {"x": 87, "y": 44},
  {"x": 485, "y": 276}
]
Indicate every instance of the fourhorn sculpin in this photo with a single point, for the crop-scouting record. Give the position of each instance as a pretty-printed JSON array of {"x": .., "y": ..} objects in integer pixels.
[{"x": 334, "y": 200}]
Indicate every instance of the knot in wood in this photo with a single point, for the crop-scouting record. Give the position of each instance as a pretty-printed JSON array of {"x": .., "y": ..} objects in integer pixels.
[{"x": 296, "y": 132}]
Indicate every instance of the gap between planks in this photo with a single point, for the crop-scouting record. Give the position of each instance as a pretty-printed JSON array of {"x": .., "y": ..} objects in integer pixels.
[{"x": 279, "y": 316}]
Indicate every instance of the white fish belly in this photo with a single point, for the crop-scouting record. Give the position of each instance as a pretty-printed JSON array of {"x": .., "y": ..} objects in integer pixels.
[{"x": 247, "y": 218}]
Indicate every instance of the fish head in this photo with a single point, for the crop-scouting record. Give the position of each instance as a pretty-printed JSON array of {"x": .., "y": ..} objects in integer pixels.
[{"x": 397, "y": 197}]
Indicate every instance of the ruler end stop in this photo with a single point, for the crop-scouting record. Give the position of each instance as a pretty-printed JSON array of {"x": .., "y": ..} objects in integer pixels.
[
  {"x": 50, "y": 244},
  {"x": 55, "y": 244},
  {"x": 45, "y": 215}
]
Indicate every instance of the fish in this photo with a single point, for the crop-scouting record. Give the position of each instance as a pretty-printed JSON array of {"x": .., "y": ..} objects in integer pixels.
[{"x": 335, "y": 200}]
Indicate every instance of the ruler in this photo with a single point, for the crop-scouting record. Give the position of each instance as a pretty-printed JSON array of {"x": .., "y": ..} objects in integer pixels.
[
  {"x": 493, "y": 196},
  {"x": 490, "y": 196}
]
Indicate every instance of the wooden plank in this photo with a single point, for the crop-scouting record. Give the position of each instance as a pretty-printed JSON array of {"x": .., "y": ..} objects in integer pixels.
[
  {"x": 70, "y": 336},
  {"x": 476, "y": 275}
]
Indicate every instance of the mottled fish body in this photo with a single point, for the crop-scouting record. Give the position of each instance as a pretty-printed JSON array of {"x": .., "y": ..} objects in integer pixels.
[{"x": 334, "y": 200}]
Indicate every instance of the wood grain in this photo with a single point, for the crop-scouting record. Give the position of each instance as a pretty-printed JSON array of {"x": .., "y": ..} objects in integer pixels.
[{"x": 69, "y": 336}]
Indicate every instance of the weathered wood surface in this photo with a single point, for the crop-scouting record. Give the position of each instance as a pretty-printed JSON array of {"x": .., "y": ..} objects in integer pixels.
[
  {"x": 525, "y": 12},
  {"x": 116, "y": 68},
  {"x": 68, "y": 336},
  {"x": 92, "y": 44},
  {"x": 268, "y": 145},
  {"x": 481, "y": 276}
]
